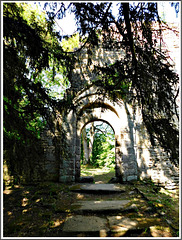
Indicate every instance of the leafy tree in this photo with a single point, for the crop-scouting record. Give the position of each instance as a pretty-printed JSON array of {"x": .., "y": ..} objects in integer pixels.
[
  {"x": 21, "y": 99},
  {"x": 70, "y": 43},
  {"x": 102, "y": 150},
  {"x": 30, "y": 46},
  {"x": 34, "y": 65}
]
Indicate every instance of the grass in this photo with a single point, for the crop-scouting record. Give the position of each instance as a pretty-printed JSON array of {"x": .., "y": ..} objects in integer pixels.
[{"x": 100, "y": 174}]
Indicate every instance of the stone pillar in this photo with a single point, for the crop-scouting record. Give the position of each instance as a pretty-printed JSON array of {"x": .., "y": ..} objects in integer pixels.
[
  {"x": 67, "y": 163},
  {"x": 77, "y": 156},
  {"x": 118, "y": 158},
  {"x": 129, "y": 162}
]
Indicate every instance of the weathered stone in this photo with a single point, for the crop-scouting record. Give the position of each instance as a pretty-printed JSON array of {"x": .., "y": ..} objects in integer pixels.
[
  {"x": 159, "y": 231},
  {"x": 86, "y": 179},
  {"x": 101, "y": 206},
  {"x": 81, "y": 223},
  {"x": 65, "y": 178},
  {"x": 98, "y": 188},
  {"x": 130, "y": 178}
]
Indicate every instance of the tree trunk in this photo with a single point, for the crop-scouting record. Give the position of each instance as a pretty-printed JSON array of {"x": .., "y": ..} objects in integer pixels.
[
  {"x": 91, "y": 140},
  {"x": 85, "y": 147}
]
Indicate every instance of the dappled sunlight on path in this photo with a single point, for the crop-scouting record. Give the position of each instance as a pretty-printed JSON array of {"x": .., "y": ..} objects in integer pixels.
[
  {"x": 101, "y": 175},
  {"x": 131, "y": 211},
  {"x": 137, "y": 209}
]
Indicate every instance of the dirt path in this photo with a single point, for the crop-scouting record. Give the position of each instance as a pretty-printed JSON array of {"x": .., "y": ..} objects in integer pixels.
[{"x": 44, "y": 210}]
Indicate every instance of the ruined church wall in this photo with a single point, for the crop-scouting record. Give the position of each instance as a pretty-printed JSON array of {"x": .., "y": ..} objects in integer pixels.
[
  {"x": 67, "y": 163},
  {"x": 153, "y": 162},
  {"x": 115, "y": 114},
  {"x": 132, "y": 141},
  {"x": 136, "y": 157},
  {"x": 59, "y": 155},
  {"x": 35, "y": 162}
]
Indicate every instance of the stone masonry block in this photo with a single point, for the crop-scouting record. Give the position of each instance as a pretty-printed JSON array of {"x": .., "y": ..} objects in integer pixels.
[{"x": 66, "y": 179}]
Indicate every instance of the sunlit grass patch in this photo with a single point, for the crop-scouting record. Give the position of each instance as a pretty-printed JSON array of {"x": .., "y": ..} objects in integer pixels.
[{"x": 103, "y": 174}]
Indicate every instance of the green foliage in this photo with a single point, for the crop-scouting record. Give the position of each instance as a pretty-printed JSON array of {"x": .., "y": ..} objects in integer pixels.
[
  {"x": 30, "y": 50},
  {"x": 69, "y": 44},
  {"x": 35, "y": 70},
  {"x": 103, "y": 152},
  {"x": 54, "y": 80},
  {"x": 103, "y": 149},
  {"x": 19, "y": 57}
]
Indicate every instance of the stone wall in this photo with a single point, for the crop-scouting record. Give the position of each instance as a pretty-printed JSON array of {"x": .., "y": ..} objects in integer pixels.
[
  {"x": 153, "y": 162},
  {"x": 24, "y": 163}
]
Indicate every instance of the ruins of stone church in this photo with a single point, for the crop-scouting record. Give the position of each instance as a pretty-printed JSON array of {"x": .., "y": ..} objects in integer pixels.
[{"x": 135, "y": 157}]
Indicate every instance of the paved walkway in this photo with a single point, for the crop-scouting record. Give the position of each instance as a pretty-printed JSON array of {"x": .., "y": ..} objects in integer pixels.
[
  {"x": 113, "y": 210},
  {"x": 98, "y": 188}
]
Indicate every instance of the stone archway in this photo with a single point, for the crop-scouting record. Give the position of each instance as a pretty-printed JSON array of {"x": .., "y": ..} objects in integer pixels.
[
  {"x": 99, "y": 112},
  {"x": 91, "y": 106},
  {"x": 135, "y": 157}
]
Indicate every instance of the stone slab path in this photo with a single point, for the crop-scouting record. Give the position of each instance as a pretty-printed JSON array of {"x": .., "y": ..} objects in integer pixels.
[
  {"x": 80, "y": 223},
  {"x": 101, "y": 206},
  {"x": 101, "y": 188},
  {"x": 112, "y": 210}
]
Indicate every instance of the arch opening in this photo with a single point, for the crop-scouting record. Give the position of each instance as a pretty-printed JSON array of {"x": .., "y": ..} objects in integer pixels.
[{"x": 98, "y": 151}]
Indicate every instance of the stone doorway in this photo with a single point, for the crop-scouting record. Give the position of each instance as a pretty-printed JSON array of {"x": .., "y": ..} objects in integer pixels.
[
  {"x": 90, "y": 106},
  {"x": 97, "y": 160}
]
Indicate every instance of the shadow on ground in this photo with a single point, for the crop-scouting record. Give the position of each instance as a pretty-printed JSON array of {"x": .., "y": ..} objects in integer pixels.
[{"x": 42, "y": 210}]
